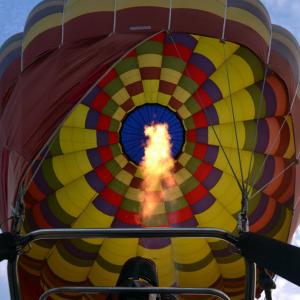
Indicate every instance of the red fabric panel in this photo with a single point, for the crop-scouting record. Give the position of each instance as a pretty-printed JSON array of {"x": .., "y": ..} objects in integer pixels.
[{"x": 45, "y": 92}]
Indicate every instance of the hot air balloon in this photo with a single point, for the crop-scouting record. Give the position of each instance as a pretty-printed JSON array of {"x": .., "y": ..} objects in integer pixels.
[{"x": 77, "y": 89}]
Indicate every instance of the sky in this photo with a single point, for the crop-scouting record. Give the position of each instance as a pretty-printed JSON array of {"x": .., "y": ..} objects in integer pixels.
[{"x": 286, "y": 13}]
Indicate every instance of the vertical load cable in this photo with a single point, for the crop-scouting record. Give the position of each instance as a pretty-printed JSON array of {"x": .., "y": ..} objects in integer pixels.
[
  {"x": 250, "y": 184},
  {"x": 208, "y": 117}
]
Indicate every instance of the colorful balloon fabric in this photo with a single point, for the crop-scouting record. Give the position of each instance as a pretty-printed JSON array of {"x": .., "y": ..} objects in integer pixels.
[{"x": 229, "y": 102}]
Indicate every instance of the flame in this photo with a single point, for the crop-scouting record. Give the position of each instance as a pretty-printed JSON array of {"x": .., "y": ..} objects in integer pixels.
[{"x": 156, "y": 168}]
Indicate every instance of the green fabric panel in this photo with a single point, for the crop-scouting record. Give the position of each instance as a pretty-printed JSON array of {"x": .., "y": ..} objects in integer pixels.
[
  {"x": 55, "y": 148},
  {"x": 193, "y": 106},
  {"x": 189, "y": 123},
  {"x": 258, "y": 100},
  {"x": 113, "y": 87},
  {"x": 253, "y": 203},
  {"x": 253, "y": 61},
  {"x": 118, "y": 186},
  {"x": 127, "y": 64},
  {"x": 250, "y": 128},
  {"x": 85, "y": 246},
  {"x": 189, "y": 148},
  {"x": 151, "y": 47},
  {"x": 113, "y": 167},
  {"x": 175, "y": 205},
  {"x": 108, "y": 266},
  {"x": 256, "y": 170},
  {"x": 188, "y": 84},
  {"x": 189, "y": 185},
  {"x": 193, "y": 165},
  {"x": 279, "y": 221},
  {"x": 114, "y": 125},
  {"x": 172, "y": 62},
  {"x": 195, "y": 266},
  {"x": 131, "y": 205},
  {"x": 110, "y": 108},
  {"x": 50, "y": 176},
  {"x": 115, "y": 149},
  {"x": 72, "y": 259},
  {"x": 58, "y": 212},
  {"x": 156, "y": 220}
]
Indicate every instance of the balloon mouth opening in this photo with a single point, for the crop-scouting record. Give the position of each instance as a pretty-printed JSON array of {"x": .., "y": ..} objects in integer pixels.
[{"x": 132, "y": 136}]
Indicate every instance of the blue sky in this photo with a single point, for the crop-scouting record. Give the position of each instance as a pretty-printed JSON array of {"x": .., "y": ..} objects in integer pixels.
[{"x": 286, "y": 13}]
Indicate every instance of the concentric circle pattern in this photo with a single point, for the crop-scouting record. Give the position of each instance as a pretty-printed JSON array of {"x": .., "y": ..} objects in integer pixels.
[
  {"x": 229, "y": 113},
  {"x": 132, "y": 137}
]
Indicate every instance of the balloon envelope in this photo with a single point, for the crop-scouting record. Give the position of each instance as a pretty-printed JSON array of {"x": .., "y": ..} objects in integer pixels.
[{"x": 76, "y": 140}]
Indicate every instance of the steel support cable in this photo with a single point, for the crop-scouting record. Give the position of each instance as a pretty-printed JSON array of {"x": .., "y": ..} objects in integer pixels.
[
  {"x": 259, "y": 109},
  {"x": 274, "y": 141},
  {"x": 212, "y": 126},
  {"x": 233, "y": 117},
  {"x": 276, "y": 177}
]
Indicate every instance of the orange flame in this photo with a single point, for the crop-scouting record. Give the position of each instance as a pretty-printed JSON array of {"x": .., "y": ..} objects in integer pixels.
[{"x": 156, "y": 167}]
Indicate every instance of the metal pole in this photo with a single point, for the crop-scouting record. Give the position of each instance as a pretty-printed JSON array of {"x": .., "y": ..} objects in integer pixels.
[
  {"x": 250, "y": 280},
  {"x": 68, "y": 233},
  {"x": 136, "y": 290},
  {"x": 13, "y": 279}
]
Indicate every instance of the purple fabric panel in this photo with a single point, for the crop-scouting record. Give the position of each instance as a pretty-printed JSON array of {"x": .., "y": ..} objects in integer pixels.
[{"x": 104, "y": 206}]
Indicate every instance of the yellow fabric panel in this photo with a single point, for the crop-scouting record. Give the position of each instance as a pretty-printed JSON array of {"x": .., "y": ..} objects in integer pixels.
[
  {"x": 91, "y": 217},
  {"x": 172, "y": 194},
  {"x": 71, "y": 166},
  {"x": 283, "y": 232},
  {"x": 233, "y": 156},
  {"x": 183, "y": 112},
  {"x": 77, "y": 139},
  {"x": 100, "y": 277},
  {"x": 227, "y": 191},
  {"x": 240, "y": 75},
  {"x": 40, "y": 27},
  {"x": 110, "y": 250},
  {"x": 121, "y": 160},
  {"x": 121, "y": 96},
  {"x": 151, "y": 90},
  {"x": 76, "y": 8},
  {"x": 66, "y": 270},
  {"x": 234, "y": 269},
  {"x": 170, "y": 75},
  {"x": 149, "y": 60},
  {"x": 184, "y": 158},
  {"x": 244, "y": 17},
  {"x": 163, "y": 259},
  {"x": 163, "y": 98},
  {"x": 130, "y": 77},
  {"x": 37, "y": 252},
  {"x": 189, "y": 250},
  {"x": 124, "y": 177},
  {"x": 213, "y": 49},
  {"x": 290, "y": 151},
  {"x": 74, "y": 197},
  {"x": 226, "y": 135},
  {"x": 77, "y": 117},
  {"x": 203, "y": 278},
  {"x": 181, "y": 94},
  {"x": 138, "y": 99},
  {"x": 133, "y": 194},
  {"x": 119, "y": 114},
  {"x": 181, "y": 176},
  {"x": 216, "y": 216},
  {"x": 243, "y": 106},
  {"x": 136, "y": 3},
  {"x": 216, "y": 7}
]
